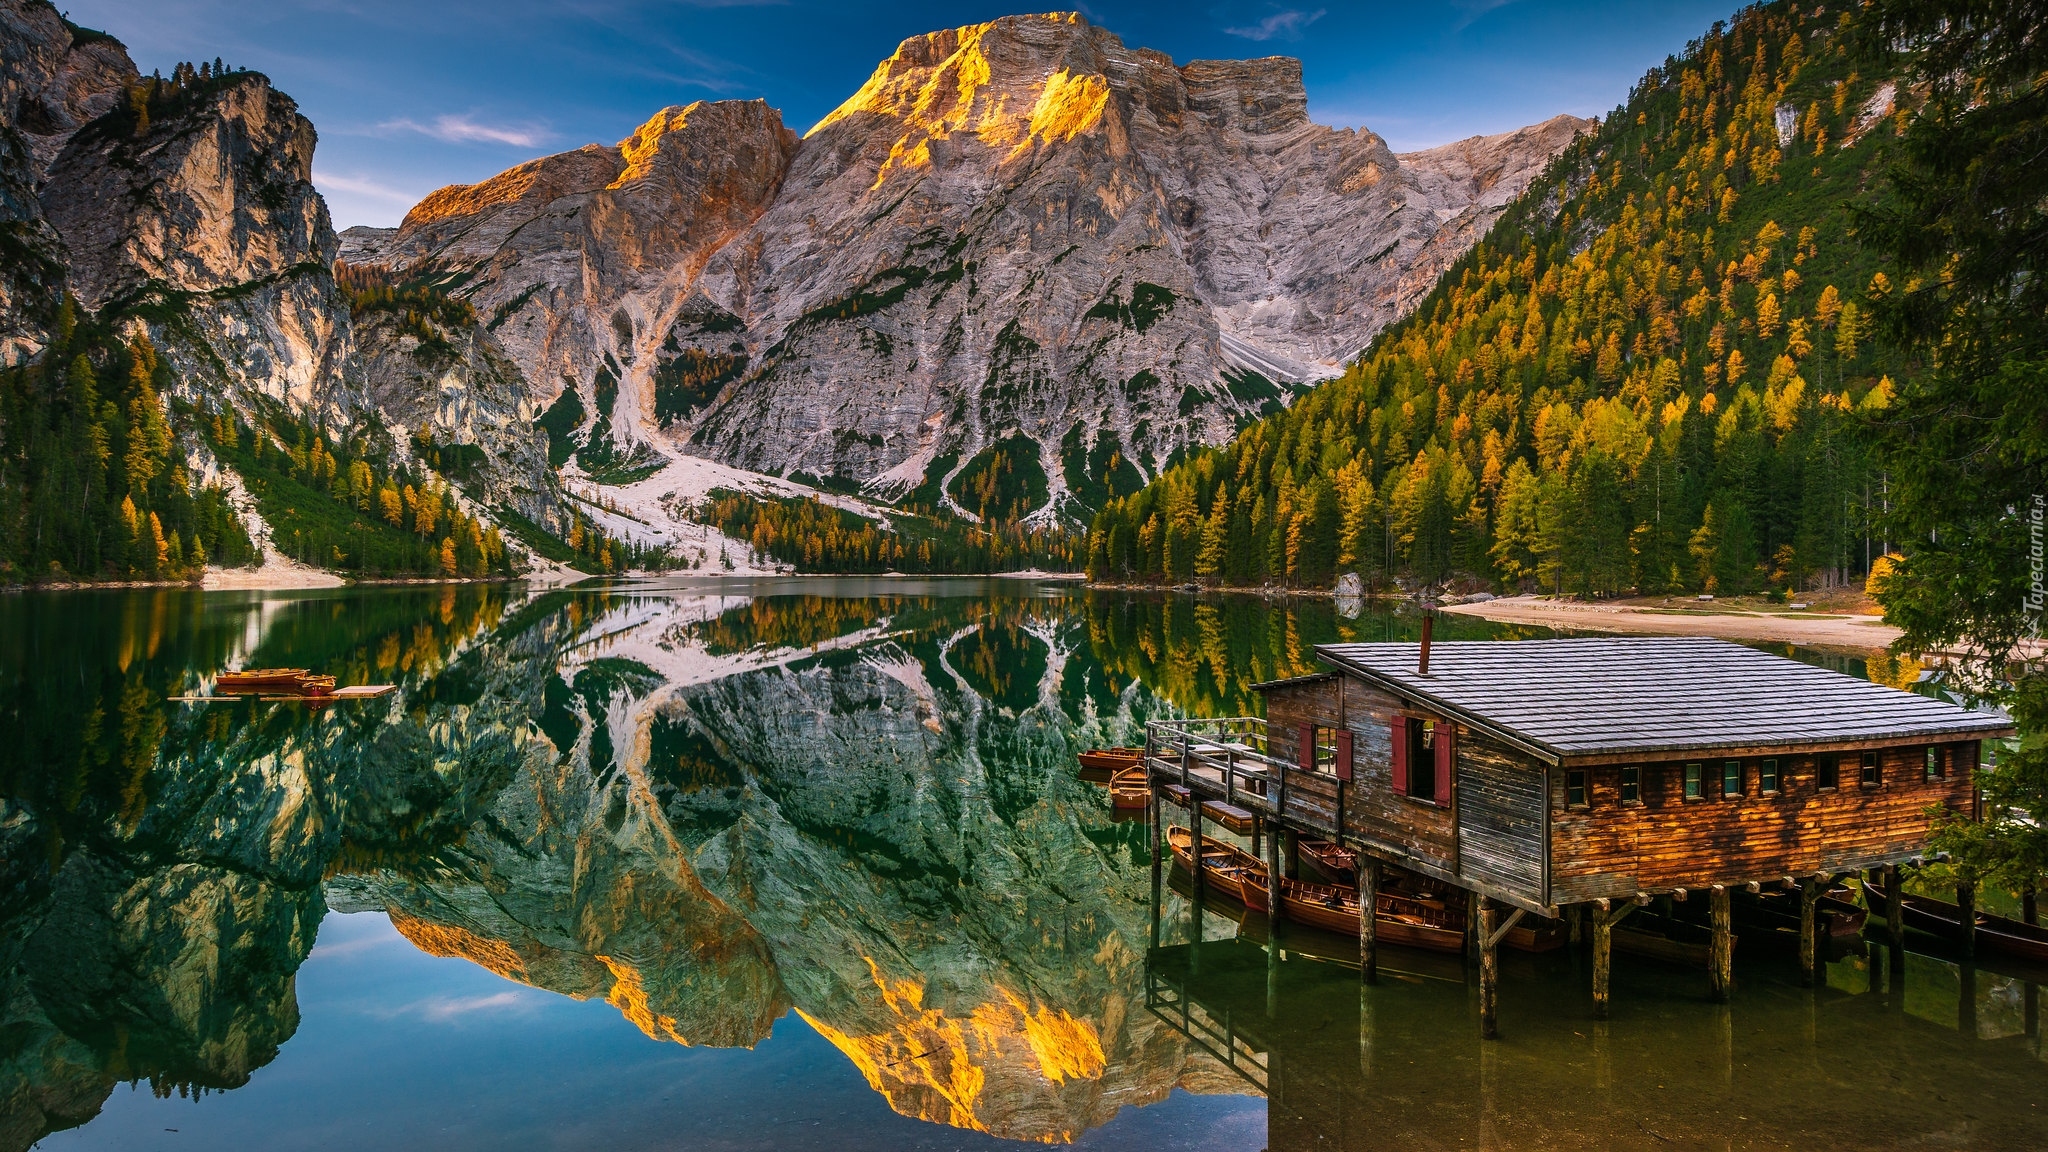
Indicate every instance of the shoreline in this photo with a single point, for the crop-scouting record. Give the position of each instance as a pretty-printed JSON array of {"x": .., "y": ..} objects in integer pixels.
[{"x": 1859, "y": 633}]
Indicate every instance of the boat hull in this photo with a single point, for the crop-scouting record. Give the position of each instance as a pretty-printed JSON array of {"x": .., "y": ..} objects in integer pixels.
[
  {"x": 1996, "y": 935},
  {"x": 1111, "y": 759}
]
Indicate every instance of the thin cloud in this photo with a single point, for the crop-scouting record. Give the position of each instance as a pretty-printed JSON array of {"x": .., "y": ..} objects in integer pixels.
[
  {"x": 464, "y": 130},
  {"x": 1475, "y": 9},
  {"x": 365, "y": 187},
  {"x": 1284, "y": 25},
  {"x": 443, "y": 1008}
]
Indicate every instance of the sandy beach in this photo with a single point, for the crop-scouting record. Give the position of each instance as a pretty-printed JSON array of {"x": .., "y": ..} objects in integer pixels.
[{"x": 1821, "y": 630}]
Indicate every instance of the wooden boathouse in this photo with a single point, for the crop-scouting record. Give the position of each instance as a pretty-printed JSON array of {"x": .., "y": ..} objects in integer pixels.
[{"x": 1581, "y": 778}]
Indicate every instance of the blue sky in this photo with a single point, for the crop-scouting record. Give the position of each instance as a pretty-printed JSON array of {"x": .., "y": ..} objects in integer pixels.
[{"x": 410, "y": 95}]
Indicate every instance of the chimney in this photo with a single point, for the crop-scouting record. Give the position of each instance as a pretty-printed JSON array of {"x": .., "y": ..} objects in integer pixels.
[{"x": 1428, "y": 620}]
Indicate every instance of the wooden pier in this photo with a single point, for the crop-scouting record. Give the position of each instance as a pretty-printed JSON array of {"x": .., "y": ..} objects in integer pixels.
[{"x": 1576, "y": 781}]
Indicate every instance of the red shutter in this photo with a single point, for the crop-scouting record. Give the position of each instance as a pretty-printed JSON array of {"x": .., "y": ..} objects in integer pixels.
[
  {"x": 1305, "y": 753},
  {"x": 1446, "y": 761},
  {"x": 1343, "y": 753},
  {"x": 1401, "y": 755}
]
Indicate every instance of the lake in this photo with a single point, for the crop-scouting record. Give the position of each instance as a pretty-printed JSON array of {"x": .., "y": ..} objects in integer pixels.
[{"x": 803, "y": 863}]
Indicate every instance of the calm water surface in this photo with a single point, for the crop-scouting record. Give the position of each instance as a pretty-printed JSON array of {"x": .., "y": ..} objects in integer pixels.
[{"x": 799, "y": 864}]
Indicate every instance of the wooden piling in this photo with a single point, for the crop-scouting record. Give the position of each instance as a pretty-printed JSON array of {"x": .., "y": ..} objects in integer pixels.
[
  {"x": 1152, "y": 817},
  {"x": 1895, "y": 912},
  {"x": 1720, "y": 977},
  {"x": 1809, "y": 900},
  {"x": 1195, "y": 847},
  {"x": 1489, "y": 971},
  {"x": 1472, "y": 903},
  {"x": 1603, "y": 956},
  {"x": 1368, "y": 919},
  {"x": 1966, "y": 918},
  {"x": 1273, "y": 911}
]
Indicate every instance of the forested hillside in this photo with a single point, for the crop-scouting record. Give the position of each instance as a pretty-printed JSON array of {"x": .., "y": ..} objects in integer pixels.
[
  {"x": 93, "y": 483},
  {"x": 1650, "y": 374}
]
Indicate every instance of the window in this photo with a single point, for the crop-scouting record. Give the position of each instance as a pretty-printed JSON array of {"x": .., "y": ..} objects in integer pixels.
[
  {"x": 1937, "y": 762},
  {"x": 1871, "y": 776},
  {"x": 1631, "y": 785},
  {"x": 1422, "y": 759},
  {"x": 1827, "y": 771},
  {"x": 1731, "y": 779},
  {"x": 1693, "y": 783},
  {"x": 1575, "y": 788},
  {"x": 1767, "y": 776}
]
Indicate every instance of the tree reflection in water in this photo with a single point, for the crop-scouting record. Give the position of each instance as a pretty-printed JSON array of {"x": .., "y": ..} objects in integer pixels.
[{"x": 713, "y": 806}]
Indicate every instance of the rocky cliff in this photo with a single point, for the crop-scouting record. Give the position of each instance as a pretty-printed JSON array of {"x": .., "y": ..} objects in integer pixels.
[
  {"x": 184, "y": 209},
  {"x": 1019, "y": 233},
  {"x": 54, "y": 77}
]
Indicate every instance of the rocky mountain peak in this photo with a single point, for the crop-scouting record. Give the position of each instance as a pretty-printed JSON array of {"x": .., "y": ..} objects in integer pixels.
[
  {"x": 1020, "y": 238},
  {"x": 139, "y": 197}
]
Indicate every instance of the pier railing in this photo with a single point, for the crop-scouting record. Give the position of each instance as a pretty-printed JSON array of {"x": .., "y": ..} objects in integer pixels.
[
  {"x": 1238, "y": 760},
  {"x": 1233, "y": 751}
]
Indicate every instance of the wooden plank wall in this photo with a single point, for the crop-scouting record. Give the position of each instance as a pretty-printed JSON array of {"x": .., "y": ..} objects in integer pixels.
[
  {"x": 1666, "y": 841},
  {"x": 1373, "y": 812},
  {"x": 1500, "y": 815}
]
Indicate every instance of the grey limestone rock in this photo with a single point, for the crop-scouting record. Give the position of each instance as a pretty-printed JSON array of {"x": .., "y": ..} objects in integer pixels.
[{"x": 1019, "y": 229}]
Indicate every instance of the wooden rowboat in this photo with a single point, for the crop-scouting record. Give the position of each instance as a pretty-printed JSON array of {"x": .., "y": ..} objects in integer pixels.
[
  {"x": 1996, "y": 935},
  {"x": 1339, "y": 866},
  {"x": 1661, "y": 938},
  {"x": 1773, "y": 917},
  {"x": 1333, "y": 909},
  {"x": 1129, "y": 789},
  {"x": 313, "y": 686},
  {"x": 253, "y": 678},
  {"x": 1336, "y": 863},
  {"x": 1111, "y": 759},
  {"x": 1224, "y": 866}
]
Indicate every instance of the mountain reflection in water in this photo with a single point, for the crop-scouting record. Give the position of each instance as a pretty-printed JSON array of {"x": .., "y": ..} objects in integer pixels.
[{"x": 736, "y": 810}]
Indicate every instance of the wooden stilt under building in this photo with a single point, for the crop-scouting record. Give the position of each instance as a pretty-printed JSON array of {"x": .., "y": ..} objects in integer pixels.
[
  {"x": 1966, "y": 919},
  {"x": 1368, "y": 919},
  {"x": 1721, "y": 970},
  {"x": 1809, "y": 928},
  {"x": 1565, "y": 777},
  {"x": 1489, "y": 970}
]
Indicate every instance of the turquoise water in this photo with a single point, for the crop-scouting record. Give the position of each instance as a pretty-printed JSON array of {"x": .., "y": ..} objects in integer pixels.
[{"x": 795, "y": 864}]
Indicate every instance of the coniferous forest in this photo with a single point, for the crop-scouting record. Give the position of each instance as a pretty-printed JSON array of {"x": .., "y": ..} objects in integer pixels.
[
  {"x": 93, "y": 482},
  {"x": 1650, "y": 375}
]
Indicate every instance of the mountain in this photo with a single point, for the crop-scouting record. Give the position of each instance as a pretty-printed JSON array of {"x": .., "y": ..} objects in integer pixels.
[
  {"x": 703, "y": 810},
  {"x": 169, "y": 278},
  {"x": 1649, "y": 374},
  {"x": 1017, "y": 272},
  {"x": 1018, "y": 237}
]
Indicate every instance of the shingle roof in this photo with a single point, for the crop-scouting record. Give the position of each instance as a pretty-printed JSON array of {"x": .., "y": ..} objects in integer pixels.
[{"x": 1591, "y": 696}]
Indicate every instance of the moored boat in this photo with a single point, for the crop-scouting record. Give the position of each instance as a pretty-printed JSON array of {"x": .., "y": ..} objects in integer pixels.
[
  {"x": 1772, "y": 918},
  {"x": 1339, "y": 866},
  {"x": 1398, "y": 919},
  {"x": 1129, "y": 789},
  {"x": 1224, "y": 866},
  {"x": 1336, "y": 863},
  {"x": 258, "y": 678},
  {"x": 1111, "y": 759},
  {"x": 1996, "y": 935},
  {"x": 1662, "y": 938}
]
